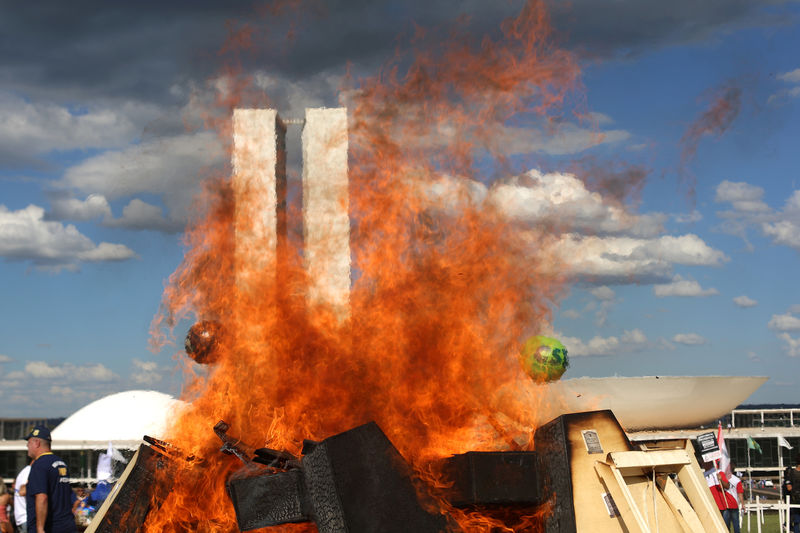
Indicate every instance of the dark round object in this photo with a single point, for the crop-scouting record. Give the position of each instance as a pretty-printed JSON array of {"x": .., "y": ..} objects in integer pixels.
[{"x": 202, "y": 342}]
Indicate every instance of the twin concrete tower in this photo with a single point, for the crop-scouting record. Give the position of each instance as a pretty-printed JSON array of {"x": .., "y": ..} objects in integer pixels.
[{"x": 259, "y": 187}]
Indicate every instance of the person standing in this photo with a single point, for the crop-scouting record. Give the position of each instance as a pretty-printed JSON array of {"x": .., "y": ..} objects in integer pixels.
[
  {"x": 719, "y": 485},
  {"x": 734, "y": 498},
  {"x": 791, "y": 484},
  {"x": 20, "y": 487},
  {"x": 48, "y": 495}
]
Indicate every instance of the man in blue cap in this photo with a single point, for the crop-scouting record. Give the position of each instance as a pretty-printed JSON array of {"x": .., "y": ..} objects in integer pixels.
[{"x": 49, "y": 496}]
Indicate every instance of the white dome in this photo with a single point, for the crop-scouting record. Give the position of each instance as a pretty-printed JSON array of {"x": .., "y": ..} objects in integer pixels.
[{"x": 124, "y": 416}]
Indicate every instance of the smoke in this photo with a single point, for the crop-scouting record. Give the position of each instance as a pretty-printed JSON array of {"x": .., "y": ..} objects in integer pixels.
[{"x": 714, "y": 121}]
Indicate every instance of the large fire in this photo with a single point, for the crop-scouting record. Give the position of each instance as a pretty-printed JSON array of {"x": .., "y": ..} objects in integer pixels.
[{"x": 444, "y": 290}]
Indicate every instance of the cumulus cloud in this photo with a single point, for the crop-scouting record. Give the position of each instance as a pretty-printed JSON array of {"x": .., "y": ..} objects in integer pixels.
[
  {"x": 64, "y": 207},
  {"x": 781, "y": 226},
  {"x": 146, "y": 372},
  {"x": 784, "y": 94},
  {"x": 785, "y": 322},
  {"x": 630, "y": 341},
  {"x": 793, "y": 76},
  {"x": 25, "y": 235},
  {"x": 139, "y": 215},
  {"x": 5, "y": 359},
  {"x": 170, "y": 168},
  {"x": 603, "y": 293},
  {"x": 689, "y": 339},
  {"x": 744, "y": 301},
  {"x": 682, "y": 287},
  {"x": 621, "y": 260},
  {"x": 599, "y": 240},
  {"x": 29, "y": 129},
  {"x": 564, "y": 201},
  {"x": 91, "y": 372},
  {"x": 742, "y": 196},
  {"x": 792, "y": 345}
]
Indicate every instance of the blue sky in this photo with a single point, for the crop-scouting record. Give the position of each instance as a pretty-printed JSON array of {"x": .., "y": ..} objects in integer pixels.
[{"x": 97, "y": 170}]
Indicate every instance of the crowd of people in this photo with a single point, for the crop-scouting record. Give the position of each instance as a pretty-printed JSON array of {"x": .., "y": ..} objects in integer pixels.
[{"x": 41, "y": 499}]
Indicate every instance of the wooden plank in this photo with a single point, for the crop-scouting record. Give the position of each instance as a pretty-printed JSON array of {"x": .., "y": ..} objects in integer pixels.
[
  {"x": 633, "y": 463},
  {"x": 681, "y": 508},
  {"x": 101, "y": 513},
  {"x": 702, "y": 502},
  {"x": 616, "y": 486}
]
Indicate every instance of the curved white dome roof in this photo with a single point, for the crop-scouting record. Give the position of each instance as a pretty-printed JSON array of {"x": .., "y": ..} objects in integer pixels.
[{"x": 124, "y": 416}]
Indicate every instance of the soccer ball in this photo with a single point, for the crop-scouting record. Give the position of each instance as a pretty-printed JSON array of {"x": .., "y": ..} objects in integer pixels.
[{"x": 544, "y": 358}]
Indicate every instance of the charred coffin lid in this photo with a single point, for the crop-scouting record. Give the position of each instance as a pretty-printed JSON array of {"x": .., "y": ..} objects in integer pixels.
[
  {"x": 355, "y": 481},
  {"x": 493, "y": 478}
]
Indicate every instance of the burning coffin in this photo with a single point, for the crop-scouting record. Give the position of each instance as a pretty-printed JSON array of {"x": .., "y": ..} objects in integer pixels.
[
  {"x": 353, "y": 481},
  {"x": 584, "y": 476}
]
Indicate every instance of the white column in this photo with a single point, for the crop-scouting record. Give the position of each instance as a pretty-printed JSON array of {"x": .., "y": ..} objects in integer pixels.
[
  {"x": 326, "y": 220},
  {"x": 259, "y": 188}
]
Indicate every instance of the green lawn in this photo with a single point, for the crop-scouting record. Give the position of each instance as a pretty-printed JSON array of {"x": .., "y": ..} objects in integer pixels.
[{"x": 770, "y": 524}]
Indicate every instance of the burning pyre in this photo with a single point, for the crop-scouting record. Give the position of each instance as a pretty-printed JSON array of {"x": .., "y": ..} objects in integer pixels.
[{"x": 445, "y": 289}]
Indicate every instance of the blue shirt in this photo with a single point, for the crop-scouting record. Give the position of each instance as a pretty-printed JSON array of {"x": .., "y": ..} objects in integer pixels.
[{"x": 49, "y": 476}]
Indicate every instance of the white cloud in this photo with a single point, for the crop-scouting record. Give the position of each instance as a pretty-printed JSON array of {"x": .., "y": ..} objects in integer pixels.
[
  {"x": 5, "y": 359},
  {"x": 564, "y": 201},
  {"x": 598, "y": 239},
  {"x": 571, "y": 313},
  {"x": 66, "y": 392},
  {"x": 742, "y": 196},
  {"x": 792, "y": 76},
  {"x": 67, "y": 208},
  {"x": 688, "y": 218},
  {"x": 785, "y": 322},
  {"x": 784, "y": 232},
  {"x": 67, "y": 371},
  {"x": 42, "y": 127},
  {"x": 146, "y": 372},
  {"x": 682, "y": 287},
  {"x": 40, "y": 369},
  {"x": 143, "y": 216},
  {"x": 792, "y": 345},
  {"x": 748, "y": 210},
  {"x": 26, "y": 235},
  {"x": 630, "y": 341},
  {"x": 744, "y": 301},
  {"x": 690, "y": 339},
  {"x": 782, "y": 96},
  {"x": 603, "y": 293},
  {"x": 170, "y": 168},
  {"x": 628, "y": 260}
]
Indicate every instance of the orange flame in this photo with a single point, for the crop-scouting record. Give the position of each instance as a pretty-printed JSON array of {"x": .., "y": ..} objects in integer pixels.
[{"x": 442, "y": 296}]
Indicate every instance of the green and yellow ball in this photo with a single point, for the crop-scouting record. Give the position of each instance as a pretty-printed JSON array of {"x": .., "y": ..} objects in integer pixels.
[{"x": 544, "y": 358}]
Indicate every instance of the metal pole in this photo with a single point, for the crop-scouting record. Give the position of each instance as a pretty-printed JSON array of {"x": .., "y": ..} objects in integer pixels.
[{"x": 749, "y": 474}]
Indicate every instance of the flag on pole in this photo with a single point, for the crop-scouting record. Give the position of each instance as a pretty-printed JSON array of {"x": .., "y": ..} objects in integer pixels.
[
  {"x": 725, "y": 459},
  {"x": 753, "y": 445},
  {"x": 783, "y": 442}
]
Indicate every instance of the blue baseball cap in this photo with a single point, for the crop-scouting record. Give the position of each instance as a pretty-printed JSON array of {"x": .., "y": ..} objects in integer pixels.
[{"x": 40, "y": 432}]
